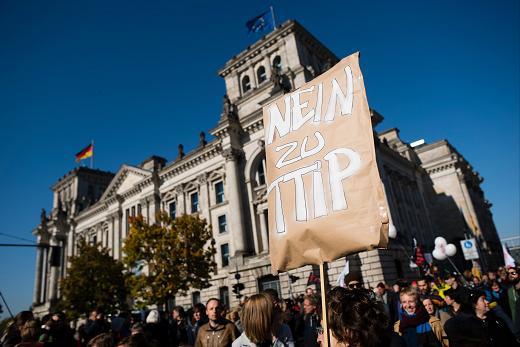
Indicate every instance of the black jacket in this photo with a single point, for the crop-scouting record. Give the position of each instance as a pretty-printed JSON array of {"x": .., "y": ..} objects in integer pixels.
[{"x": 467, "y": 330}]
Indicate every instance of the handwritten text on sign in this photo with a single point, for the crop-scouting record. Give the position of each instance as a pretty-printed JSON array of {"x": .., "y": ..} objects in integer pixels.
[{"x": 294, "y": 119}]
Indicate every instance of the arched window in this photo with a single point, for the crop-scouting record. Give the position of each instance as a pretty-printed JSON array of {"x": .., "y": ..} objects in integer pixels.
[
  {"x": 246, "y": 84},
  {"x": 260, "y": 173},
  {"x": 277, "y": 63},
  {"x": 260, "y": 74}
]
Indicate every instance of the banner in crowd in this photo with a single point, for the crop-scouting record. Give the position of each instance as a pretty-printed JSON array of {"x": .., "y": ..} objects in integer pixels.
[{"x": 325, "y": 196}]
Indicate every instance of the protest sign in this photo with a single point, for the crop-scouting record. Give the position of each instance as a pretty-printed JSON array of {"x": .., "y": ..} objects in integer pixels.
[{"x": 325, "y": 196}]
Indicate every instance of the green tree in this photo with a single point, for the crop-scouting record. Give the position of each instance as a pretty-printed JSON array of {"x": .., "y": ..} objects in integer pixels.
[
  {"x": 94, "y": 279},
  {"x": 168, "y": 257}
]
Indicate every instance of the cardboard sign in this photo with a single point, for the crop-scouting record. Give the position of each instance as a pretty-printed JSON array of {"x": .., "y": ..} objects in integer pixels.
[
  {"x": 469, "y": 248},
  {"x": 325, "y": 197}
]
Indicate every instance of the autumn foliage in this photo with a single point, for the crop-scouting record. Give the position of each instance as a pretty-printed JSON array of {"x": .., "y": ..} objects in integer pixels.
[
  {"x": 94, "y": 279},
  {"x": 168, "y": 257}
]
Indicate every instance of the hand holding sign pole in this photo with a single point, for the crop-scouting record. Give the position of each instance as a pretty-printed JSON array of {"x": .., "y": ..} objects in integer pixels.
[{"x": 325, "y": 196}]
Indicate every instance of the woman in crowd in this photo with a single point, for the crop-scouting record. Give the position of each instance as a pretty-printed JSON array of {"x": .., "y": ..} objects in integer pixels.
[
  {"x": 257, "y": 321},
  {"x": 12, "y": 334},
  {"x": 475, "y": 325},
  {"x": 179, "y": 329},
  {"x": 415, "y": 325},
  {"x": 199, "y": 318},
  {"x": 356, "y": 318},
  {"x": 29, "y": 334},
  {"x": 496, "y": 293},
  {"x": 430, "y": 307}
]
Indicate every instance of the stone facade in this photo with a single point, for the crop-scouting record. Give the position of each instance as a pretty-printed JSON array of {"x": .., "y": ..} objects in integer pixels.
[{"x": 223, "y": 181}]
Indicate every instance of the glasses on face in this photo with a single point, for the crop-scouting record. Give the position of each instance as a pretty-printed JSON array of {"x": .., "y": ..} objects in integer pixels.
[
  {"x": 513, "y": 273},
  {"x": 355, "y": 285}
]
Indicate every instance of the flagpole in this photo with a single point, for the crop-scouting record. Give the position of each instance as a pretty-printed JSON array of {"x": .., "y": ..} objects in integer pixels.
[
  {"x": 274, "y": 20},
  {"x": 92, "y": 156}
]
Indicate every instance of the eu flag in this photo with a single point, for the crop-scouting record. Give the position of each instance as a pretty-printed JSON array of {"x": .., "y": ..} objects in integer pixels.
[{"x": 261, "y": 22}]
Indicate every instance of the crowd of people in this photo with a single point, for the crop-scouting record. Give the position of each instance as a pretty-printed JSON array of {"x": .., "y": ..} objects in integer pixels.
[{"x": 452, "y": 310}]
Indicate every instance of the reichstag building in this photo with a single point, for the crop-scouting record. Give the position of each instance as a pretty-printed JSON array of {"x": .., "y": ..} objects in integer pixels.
[{"x": 431, "y": 189}]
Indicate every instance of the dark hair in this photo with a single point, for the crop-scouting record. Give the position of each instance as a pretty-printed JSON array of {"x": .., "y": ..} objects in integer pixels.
[
  {"x": 356, "y": 318},
  {"x": 101, "y": 340},
  {"x": 200, "y": 308},
  {"x": 456, "y": 295},
  {"x": 22, "y": 317},
  {"x": 474, "y": 295},
  {"x": 273, "y": 293},
  {"x": 136, "y": 340},
  {"x": 180, "y": 311}
]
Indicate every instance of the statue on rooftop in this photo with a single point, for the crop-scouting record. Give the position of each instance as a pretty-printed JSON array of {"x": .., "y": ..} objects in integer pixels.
[
  {"x": 43, "y": 217},
  {"x": 180, "y": 154},
  {"x": 229, "y": 110},
  {"x": 202, "y": 139}
]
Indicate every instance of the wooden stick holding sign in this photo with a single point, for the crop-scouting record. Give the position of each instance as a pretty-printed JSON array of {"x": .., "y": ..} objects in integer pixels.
[{"x": 324, "y": 319}]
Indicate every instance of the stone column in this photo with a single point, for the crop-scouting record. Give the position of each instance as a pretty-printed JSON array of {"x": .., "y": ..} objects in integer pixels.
[
  {"x": 55, "y": 274},
  {"x": 44, "y": 278},
  {"x": 252, "y": 207},
  {"x": 110, "y": 221},
  {"x": 153, "y": 208},
  {"x": 71, "y": 240},
  {"x": 267, "y": 65},
  {"x": 264, "y": 232},
  {"x": 38, "y": 276},
  {"x": 117, "y": 232},
  {"x": 203, "y": 196},
  {"x": 181, "y": 201},
  {"x": 236, "y": 225},
  {"x": 471, "y": 218}
]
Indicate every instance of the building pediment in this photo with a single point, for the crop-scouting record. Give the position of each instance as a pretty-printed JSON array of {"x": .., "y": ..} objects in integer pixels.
[{"x": 126, "y": 178}]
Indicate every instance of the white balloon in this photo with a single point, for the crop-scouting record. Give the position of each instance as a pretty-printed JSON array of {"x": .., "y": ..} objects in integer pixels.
[
  {"x": 392, "y": 231},
  {"x": 440, "y": 241},
  {"x": 451, "y": 250},
  {"x": 438, "y": 254}
]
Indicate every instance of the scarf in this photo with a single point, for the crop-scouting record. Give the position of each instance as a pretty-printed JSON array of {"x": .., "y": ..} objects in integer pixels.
[
  {"x": 413, "y": 320},
  {"x": 415, "y": 327}
]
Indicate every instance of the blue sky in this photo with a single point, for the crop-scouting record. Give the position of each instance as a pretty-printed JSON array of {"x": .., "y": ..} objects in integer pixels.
[{"x": 139, "y": 77}]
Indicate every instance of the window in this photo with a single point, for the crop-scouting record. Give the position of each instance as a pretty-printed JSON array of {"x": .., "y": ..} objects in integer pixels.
[
  {"x": 195, "y": 298},
  {"x": 194, "y": 198},
  {"x": 260, "y": 173},
  {"x": 133, "y": 211},
  {"x": 224, "y": 296},
  {"x": 219, "y": 192},
  {"x": 277, "y": 63},
  {"x": 224, "y": 251},
  {"x": 171, "y": 303},
  {"x": 139, "y": 210},
  {"x": 246, "y": 84},
  {"x": 173, "y": 209},
  {"x": 269, "y": 282},
  {"x": 260, "y": 74},
  {"x": 127, "y": 218},
  {"x": 222, "y": 224}
]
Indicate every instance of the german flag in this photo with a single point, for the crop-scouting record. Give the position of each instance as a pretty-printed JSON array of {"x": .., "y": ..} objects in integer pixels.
[{"x": 85, "y": 153}]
